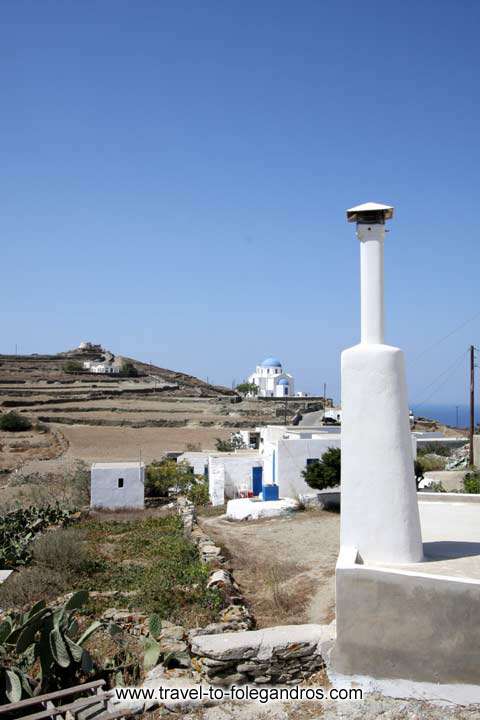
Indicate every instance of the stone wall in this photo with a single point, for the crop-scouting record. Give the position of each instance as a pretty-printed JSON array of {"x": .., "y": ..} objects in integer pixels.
[
  {"x": 236, "y": 614},
  {"x": 286, "y": 655}
]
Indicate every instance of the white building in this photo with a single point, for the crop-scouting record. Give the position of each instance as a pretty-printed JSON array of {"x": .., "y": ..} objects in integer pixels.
[
  {"x": 117, "y": 485},
  {"x": 271, "y": 380},
  {"x": 287, "y": 452},
  {"x": 101, "y": 367},
  {"x": 197, "y": 460},
  {"x": 284, "y": 453},
  {"x": 234, "y": 475}
]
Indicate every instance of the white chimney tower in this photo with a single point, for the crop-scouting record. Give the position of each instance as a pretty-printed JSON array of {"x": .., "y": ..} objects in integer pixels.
[{"x": 380, "y": 517}]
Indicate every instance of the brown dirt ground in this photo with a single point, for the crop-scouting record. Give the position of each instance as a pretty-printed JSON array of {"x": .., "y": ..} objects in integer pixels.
[
  {"x": 103, "y": 444},
  {"x": 19, "y": 448},
  {"x": 284, "y": 566}
]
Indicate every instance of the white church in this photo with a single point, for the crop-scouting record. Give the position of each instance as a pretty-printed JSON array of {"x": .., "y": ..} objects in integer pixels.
[{"x": 271, "y": 380}]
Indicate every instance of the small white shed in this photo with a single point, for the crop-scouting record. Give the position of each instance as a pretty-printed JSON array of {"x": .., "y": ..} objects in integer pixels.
[{"x": 117, "y": 485}]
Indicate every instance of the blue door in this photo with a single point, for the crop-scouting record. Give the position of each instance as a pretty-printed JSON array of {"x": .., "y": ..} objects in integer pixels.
[{"x": 257, "y": 476}]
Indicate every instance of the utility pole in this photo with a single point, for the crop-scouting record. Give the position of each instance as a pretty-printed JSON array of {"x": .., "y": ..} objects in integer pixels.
[
  {"x": 456, "y": 408},
  {"x": 472, "y": 402},
  {"x": 324, "y": 396}
]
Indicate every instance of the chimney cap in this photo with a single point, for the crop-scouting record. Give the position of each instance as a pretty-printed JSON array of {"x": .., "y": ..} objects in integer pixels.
[{"x": 370, "y": 212}]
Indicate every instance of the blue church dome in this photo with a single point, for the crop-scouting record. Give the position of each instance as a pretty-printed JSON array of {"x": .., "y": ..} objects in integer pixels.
[
  {"x": 271, "y": 362},
  {"x": 283, "y": 381}
]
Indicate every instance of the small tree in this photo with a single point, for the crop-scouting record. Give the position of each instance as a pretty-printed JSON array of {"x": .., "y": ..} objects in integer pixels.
[
  {"x": 73, "y": 488},
  {"x": 471, "y": 482},
  {"x": 198, "y": 492},
  {"x": 324, "y": 473},
  {"x": 128, "y": 369},
  {"x": 13, "y": 422},
  {"x": 247, "y": 388},
  {"x": 166, "y": 476},
  {"x": 72, "y": 366}
]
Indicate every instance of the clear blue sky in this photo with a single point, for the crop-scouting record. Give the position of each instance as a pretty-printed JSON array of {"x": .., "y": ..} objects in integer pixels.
[{"x": 174, "y": 177}]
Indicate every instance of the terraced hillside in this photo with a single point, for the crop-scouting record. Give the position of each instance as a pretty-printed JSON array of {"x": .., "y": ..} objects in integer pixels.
[{"x": 97, "y": 417}]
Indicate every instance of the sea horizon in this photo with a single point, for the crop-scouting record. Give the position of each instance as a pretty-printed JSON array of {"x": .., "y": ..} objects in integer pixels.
[{"x": 447, "y": 413}]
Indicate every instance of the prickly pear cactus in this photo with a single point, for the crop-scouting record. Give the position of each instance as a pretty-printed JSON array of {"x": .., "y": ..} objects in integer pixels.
[{"x": 155, "y": 625}]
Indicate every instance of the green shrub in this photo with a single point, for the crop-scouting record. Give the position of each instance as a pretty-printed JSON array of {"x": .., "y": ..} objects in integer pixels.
[
  {"x": 471, "y": 482},
  {"x": 432, "y": 448},
  {"x": 166, "y": 476},
  {"x": 247, "y": 388},
  {"x": 72, "y": 366},
  {"x": 198, "y": 492},
  {"x": 128, "y": 369},
  {"x": 324, "y": 473},
  {"x": 75, "y": 485},
  {"x": 431, "y": 462},
  {"x": 14, "y": 422}
]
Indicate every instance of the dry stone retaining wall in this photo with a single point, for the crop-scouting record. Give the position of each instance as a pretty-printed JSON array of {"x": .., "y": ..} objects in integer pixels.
[
  {"x": 236, "y": 616},
  {"x": 286, "y": 655}
]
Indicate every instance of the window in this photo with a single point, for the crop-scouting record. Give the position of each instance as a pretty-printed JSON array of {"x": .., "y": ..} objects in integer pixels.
[
  {"x": 311, "y": 461},
  {"x": 120, "y": 482}
]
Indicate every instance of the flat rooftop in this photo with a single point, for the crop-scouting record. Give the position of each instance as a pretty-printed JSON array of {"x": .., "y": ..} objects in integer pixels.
[
  {"x": 451, "y": 540},
  {"x": 117, "y": 465}
]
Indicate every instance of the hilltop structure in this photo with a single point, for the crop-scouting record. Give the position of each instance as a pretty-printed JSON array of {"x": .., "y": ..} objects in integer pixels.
[{"x": 271, "y": 380}]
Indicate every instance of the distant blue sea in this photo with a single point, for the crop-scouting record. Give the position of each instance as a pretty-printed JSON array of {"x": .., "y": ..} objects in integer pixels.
[{"x": 446, "y": 413}]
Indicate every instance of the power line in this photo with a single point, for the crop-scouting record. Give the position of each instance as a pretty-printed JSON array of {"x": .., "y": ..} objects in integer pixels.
[
  {"x": 448, "y": 371},
  {"x": 440, "y": 375},
  {"x": 445, "y": 337}
]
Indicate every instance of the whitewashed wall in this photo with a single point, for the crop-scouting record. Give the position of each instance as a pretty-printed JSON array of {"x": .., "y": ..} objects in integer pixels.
[
  {"x": 104, "y": 490},
  {"x": 216, "y": 480},
  {"x": 291, "y": 458},
  {"x": 197, "y": 460},
  {"x": 228, "y": 474},
  {"x": 285, "y": 451}
]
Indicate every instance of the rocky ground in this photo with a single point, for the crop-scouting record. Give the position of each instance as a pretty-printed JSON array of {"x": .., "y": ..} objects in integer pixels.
[{"x": 372, "y": 707}]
